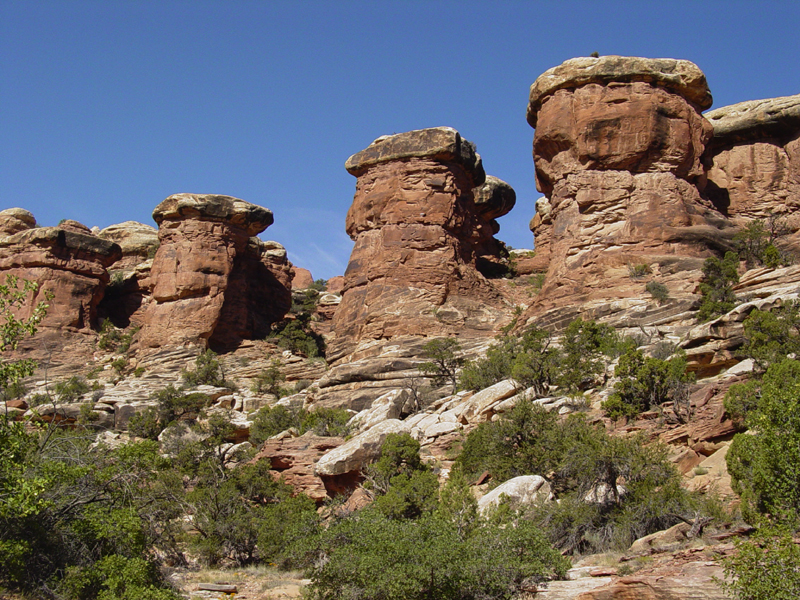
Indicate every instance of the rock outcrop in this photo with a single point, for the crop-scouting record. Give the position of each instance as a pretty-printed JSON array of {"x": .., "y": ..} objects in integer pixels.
[
  {"x": 418, "y": 232},
  {"x": 214, "y": 282},
  {"x": 618, "y": 149},
  {"x": 754, "y": 162},
  {"x": 67, "y": 262}
]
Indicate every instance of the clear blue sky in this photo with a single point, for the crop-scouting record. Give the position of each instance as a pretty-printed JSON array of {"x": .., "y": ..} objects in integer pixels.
[{"x": 107, "y": 107}]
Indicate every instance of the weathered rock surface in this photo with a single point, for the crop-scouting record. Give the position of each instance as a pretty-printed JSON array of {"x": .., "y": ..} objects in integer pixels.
[
  {"x": 519, "y": 492},
  {"x": 301, "y": 278},
  {"x": 137, "y": 241},
  {"x": 66, "y": 262},
  {"x": 415, "y": 224},
  {"x": 618, "y": 149},
  {"x": 755, "y": 162},
  {"x": 359, "y": 451},
  {"x": 214, "y": 283},
  {"x": 292, "y": 459}
]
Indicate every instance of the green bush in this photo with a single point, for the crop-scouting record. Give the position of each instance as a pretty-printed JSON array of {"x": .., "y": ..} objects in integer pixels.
[
  {"x": 372, "y": 556},
  {"x": 323, "y": 421},
  {"x": 639, "y": 270},
  {"x": 581, "y": 460},
  {"x": 585, "y": 346},
  {"x": 647, "y": 382},
  {"x": 297, "y": 336},
  {"x": 658, "y": 291},
  {"x": 764, "y": 567},
  {"x": 269, "y": 381},
  {"x": 113, "y": 339},
  {"x": 716, "y": 289},
  {"x": 207, "y": 371},
  {"x": 70, "y": 389},
  {"x": 771, "y": 336},
  {"x": 443, "y": 361},
  {"x": 765, "y": 463},
  {"x": 755, "y": 243}
]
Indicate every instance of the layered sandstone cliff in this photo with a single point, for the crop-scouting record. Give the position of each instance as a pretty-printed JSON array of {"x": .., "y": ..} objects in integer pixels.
[{"x": 617, "y": 150}]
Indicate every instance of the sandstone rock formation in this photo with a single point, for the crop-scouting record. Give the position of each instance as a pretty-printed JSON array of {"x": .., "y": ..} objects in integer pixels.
[
  {"x": 418, "y": 232},
  {"x": 755, "y": 162},
  {"x": 214, "y": 282},
  {"x": 125, "y": 300},
  {"x": 617, "y": 149},
  {"x": 301, "y": 278},
  {"x": 68, "y": 262}
]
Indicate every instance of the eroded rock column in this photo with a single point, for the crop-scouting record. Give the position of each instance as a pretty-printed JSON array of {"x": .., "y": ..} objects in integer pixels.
[
  {"x": 417, "y": 234},
  {"x": 755, "y": 162},
  {"x": 213, "y": 282},
  {"x": 66, "y": 261},
  {"x": 617, "y": 150}
]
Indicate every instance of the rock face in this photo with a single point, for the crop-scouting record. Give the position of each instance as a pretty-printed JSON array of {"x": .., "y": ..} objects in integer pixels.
[
  {"x": 617, "y": 149},
  {"x": 301, "y": 278},
  {"x": 66, "y": 262},
  {"x": 755, "y": 161},
  {"x": 214, "y": 282},
  {"x": 417, "y": 232}
]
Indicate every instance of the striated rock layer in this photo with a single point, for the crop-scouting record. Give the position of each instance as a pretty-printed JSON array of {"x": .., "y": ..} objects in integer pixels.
[
  {"x": 617, "y": 150},
  {"x": 67, "y": 262},
  {"x": 214, "y": 282},
  {"x": 418, "y": 232},
  {"x": 754, "y": 162}
]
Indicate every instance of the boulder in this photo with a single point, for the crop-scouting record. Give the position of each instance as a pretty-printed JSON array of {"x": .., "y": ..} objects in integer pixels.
[
  {"x": 359, "y": 451},
  {"x": 214, "y": 282},
  {"x": 292, "y": 459},
  {"x": 14, "y": 220},
  {"x": 519, "y": 491},
  {"x": 301, "y": 278}
]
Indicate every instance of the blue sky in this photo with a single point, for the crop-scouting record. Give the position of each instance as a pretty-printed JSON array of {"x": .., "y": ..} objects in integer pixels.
[{"x": 107, "y": 107}]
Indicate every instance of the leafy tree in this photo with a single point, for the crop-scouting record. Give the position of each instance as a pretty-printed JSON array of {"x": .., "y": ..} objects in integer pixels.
[
  {"x": 755, "y": 243},
  {"x": 207, "y": 371},
  {"x": 765, "y": 567},
  {"x": 269, "y": 381},
  {"x": 585, "y": 345},
  {"x": 270, "y": 421},
  {"x": 496, "y": 366},
  {"x": 443, "y": 361},
  {"x": 716, "y": 288},
  {"x": 765, "y": 463},
  {"x": 297, "y": 336},
  {"x": 772, "y": 335},
  {"x": 369, "y": 555},
  {"x": 647, "y": 382}
]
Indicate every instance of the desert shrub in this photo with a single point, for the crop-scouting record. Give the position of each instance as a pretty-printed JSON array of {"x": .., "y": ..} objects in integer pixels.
[
  {"x": 536, "y": 281},
  {"x": 443, "y": 361},
  {"x": 585, "y": 346},
  {"x": 772, "y": 335},
  {"x": 639, "y": 270},
  {"x": 14, "y": 389},
  {"x": 765, "y": 463},
  {"x": 647, "y": 382},
  {"x": 320, "y": 285},
  {"x": 764, "y": 567},
  {"x": 658, "y": 291},
  {"x": 755, "y": 243},
  {"x": 269, "y": 381},
  {"x": 145, "y": 424},
  {"x": 716, "y": 289},
  {"x": 70, "y": 389},
  {"x": 581, "y": 461},
  {"x": 114, "y": 339},
  {"x": 369, "y": 555},
  {"x": 270, "y": 421},
  {"x": 296, "y": 336},
  {"x": 207, "y": 371},
  {"x": 152, "y": 249},
  {"x": 174, "y": 404}
]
